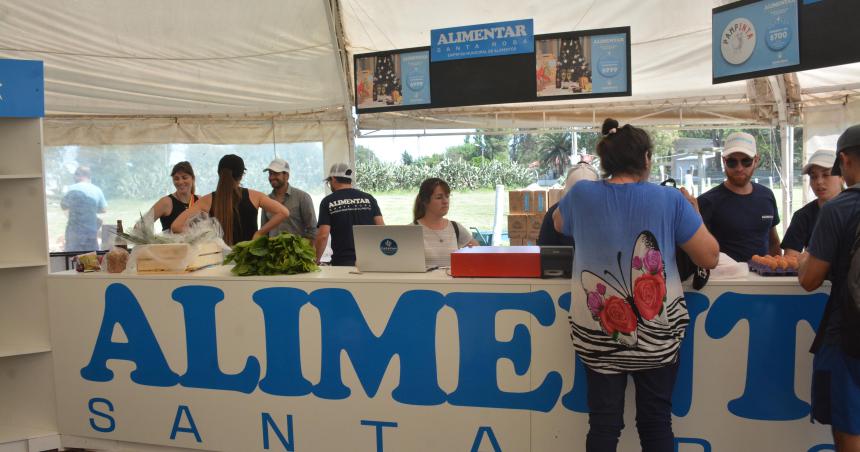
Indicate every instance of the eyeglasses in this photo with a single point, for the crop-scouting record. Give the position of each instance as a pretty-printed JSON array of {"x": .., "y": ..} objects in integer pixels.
[{"x": 733, "y": 163}]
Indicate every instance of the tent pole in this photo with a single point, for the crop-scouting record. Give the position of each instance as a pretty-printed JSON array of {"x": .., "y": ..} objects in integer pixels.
[
  {"x": 777, "y": 87},
  {"x": 330, "y": 156}
]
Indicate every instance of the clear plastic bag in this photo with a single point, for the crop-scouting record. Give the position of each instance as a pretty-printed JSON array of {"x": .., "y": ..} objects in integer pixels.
[{"x": 200, "y": 245}]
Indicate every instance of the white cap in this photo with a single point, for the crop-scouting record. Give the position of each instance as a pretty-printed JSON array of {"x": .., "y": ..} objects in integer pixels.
[
  {"x": 822, "y": 157},
  {"x": 340, "y": 170},
  {"x": 740, "y": 142},
  {"x": 278, "y": 166},
  {"x": 580, "y": 171}
]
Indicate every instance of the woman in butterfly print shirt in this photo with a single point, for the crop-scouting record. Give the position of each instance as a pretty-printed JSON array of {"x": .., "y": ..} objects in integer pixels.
[{"x": 628, "y": 314}]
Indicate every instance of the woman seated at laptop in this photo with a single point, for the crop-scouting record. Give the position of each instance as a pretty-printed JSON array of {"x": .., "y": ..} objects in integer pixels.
[{"x": 441, "y": 236}]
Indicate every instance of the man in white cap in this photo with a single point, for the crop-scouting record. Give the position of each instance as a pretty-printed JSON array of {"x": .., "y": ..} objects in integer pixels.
[
  {"x": 340, "y": 211},
  {"x": 742, "y": 215},
  {"x": 833, "y": 255},
  {"x": 548, "y": 235},
  {"x": 302, "y": 220},
  {"x": 825, "y": 186}
]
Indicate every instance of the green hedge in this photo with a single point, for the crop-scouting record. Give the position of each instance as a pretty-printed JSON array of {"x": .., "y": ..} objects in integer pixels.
[{"x": 460, "y": 175}]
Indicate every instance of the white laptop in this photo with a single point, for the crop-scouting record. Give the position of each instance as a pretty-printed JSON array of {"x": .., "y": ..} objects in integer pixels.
[{"x": 389, "y": 249}]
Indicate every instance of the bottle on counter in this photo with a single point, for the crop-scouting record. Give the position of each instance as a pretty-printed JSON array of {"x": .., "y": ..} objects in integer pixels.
[{"x": 120, "y": 242}]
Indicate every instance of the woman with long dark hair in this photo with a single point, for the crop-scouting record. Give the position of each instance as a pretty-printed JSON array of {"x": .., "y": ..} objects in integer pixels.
[
  {"x": 235, "y": 207},
  {"x": 441, "y": 236},
  {"x": 169, "y": 207},
  {"x": 628, "y": 315}
]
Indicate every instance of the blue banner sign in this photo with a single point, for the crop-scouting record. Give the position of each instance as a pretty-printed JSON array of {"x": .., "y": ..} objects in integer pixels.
[
  {"x": 760, "y": 36},
  {"x": 484, "y": 40},
  {"x": 22, "y": 89}
]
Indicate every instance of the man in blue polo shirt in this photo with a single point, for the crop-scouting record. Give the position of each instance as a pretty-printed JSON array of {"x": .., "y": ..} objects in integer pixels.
[
  {"x": 836, "y": 366},
  {"x": 741, "y": 214}
]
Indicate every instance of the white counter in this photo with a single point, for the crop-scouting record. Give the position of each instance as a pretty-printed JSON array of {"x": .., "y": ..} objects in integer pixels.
[{"x": 420, "y": 361}]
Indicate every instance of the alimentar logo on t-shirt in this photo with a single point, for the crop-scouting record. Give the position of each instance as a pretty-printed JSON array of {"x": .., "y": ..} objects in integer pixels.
[{"x": 345, "y": 205}]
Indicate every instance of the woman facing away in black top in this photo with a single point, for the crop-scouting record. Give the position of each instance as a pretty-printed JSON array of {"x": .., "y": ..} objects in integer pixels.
[{"x": 235, "y": 207}]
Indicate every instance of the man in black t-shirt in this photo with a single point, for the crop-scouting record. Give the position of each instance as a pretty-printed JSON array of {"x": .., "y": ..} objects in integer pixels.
[
  {"x": 836, "y": 366},
  {"x": 741, "y": 214},
  {"x": 825, "y": 186},
  {"x": 340, "y": 211}
]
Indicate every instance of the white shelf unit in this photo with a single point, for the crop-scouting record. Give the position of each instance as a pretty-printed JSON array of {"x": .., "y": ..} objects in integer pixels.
[{"x": 27, "y": 403}]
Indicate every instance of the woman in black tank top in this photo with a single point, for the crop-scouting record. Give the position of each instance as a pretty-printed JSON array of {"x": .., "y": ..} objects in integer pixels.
[
  {"x": 170, "y": 206},
  {"x": 244, "y": 218},
  {"x": 235, "y": 207}
]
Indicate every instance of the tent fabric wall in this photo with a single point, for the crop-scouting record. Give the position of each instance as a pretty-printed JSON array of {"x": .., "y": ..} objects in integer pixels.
[
  {"x": 131, "y": 57},
  {"x": 823, "y": 125},
  {"x": 332, "y": 132}
]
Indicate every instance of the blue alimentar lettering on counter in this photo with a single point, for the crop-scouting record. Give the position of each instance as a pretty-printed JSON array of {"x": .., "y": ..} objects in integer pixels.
[
  {"x": 769, "y": 390},
  {"x": 410, "y": 334}
]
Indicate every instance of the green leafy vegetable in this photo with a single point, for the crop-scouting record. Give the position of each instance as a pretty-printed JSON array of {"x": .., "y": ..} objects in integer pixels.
[{"x": 285, "y": 254}]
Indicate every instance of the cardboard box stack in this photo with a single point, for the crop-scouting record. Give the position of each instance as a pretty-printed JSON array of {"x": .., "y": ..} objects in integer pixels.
[
  {"x": 526, "y": 211},
  {"x": 553, "y": 196}
]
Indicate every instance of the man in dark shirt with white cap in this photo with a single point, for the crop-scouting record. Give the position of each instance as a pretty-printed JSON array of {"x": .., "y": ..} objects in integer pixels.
[
  {"x": 836, "y": 366},
  {"x": 741, "y": 214},
  {"x": 340, "y": 211}
]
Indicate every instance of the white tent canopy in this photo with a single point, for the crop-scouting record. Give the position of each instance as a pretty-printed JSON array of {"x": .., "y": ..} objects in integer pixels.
[{"x": 223, "y": 59}]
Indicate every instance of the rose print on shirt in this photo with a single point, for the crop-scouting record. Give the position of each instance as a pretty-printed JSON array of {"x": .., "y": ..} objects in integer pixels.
[{"x": 618, "y": 303}]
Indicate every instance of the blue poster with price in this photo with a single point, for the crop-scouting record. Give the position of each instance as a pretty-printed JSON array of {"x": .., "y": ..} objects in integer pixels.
[
  {"x": 609, "y": 56},
  {"x": 758, "y": 36}
]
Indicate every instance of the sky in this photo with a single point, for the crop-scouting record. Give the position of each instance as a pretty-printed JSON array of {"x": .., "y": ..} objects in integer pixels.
[{"x": 390, "y": 149}]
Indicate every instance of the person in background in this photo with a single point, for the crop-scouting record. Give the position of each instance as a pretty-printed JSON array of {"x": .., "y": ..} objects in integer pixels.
[
  {"x": 825, "y": 186},
  {"x": 741, "y": 214},
  {"x": 235, "y": 207},
  {"x": 548, "y": 235},
  {"x": 303, "y": 219},
  {"x": 169, "y": 207},
  {"x": 836, "y": 365},
  {"x": 628, "y": 315},
  {"x": 344, "y": 208},
  {"x": 84, "y": 201},
  {"x": 441, "y": 235}
]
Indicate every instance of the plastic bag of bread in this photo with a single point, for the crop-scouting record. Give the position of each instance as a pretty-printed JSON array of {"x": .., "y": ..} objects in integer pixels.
[
  {"x": 116, "y": 260},
  {"x": 87, "y": 262}
]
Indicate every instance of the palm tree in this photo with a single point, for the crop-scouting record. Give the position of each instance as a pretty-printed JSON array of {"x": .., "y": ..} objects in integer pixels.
[{"x": 555, "y": 151}]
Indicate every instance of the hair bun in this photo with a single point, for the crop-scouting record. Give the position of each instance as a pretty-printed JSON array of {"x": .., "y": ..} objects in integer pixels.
[{"x": 609, "y": 126}]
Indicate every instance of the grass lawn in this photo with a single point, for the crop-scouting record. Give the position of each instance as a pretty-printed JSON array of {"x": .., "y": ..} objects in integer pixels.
[{"x": 471, "y": 209}]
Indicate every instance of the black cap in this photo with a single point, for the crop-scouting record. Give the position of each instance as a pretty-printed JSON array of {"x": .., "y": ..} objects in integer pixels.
[
  {"x": 850, "y": 138},
  {"x": 234, "y": 163}
]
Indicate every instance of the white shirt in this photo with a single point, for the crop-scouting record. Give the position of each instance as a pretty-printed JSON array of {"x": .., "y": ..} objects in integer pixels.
[{"x": 439, "y": 244}]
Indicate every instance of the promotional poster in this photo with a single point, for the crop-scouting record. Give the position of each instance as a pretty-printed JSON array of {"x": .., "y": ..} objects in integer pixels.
[
  {"x": 580, "y": 65},
  {"x": 393, "y": 79},
  {"x": 758, "y": 36}
]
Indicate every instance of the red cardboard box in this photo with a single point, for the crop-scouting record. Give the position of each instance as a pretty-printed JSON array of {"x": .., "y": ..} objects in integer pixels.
[{"x": 496, "y": 262}]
